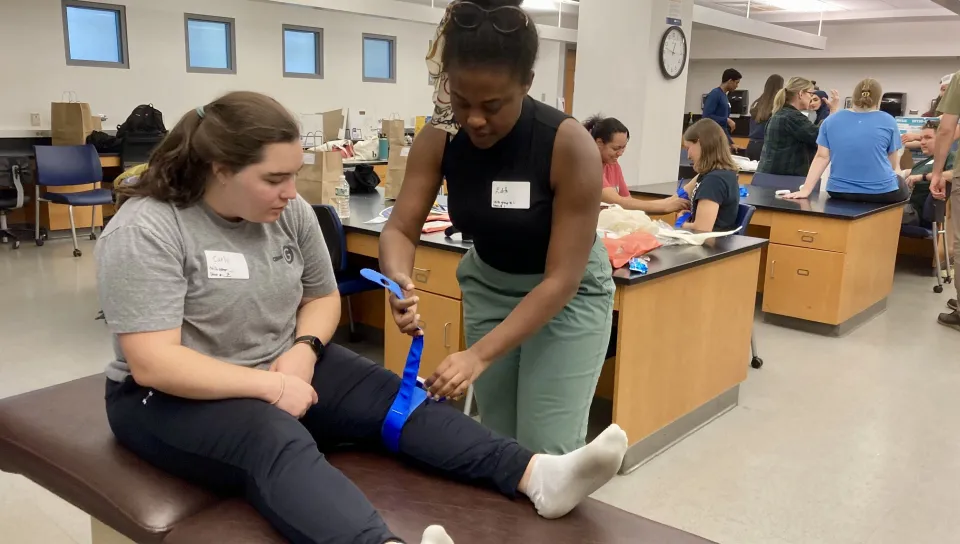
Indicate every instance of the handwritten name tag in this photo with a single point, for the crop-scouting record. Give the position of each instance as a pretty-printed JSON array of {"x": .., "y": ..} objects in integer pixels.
[
  {"x": 226, "y": 265},
  {"x": 511, "y": 195}
]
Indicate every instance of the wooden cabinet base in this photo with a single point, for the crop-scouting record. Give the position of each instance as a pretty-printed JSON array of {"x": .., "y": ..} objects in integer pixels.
[{"x": 441, "y": 334}]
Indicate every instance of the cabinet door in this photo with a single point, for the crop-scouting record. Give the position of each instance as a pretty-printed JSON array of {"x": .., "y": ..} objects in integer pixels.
[
  {"x": 803, "y": 283},
  {"x": 440, "y": 321}
]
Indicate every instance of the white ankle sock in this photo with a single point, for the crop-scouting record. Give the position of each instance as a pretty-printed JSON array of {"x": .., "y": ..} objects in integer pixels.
[
  {"x": 558, "y": 483},
  {"x": 435, "y": 534}
]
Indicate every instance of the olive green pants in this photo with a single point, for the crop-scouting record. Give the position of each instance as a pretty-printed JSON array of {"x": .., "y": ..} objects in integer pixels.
[{"x": 540, "y": 393}]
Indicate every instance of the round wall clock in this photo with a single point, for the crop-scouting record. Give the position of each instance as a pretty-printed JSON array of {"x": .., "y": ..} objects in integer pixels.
[{"x": 673, "y": 52}]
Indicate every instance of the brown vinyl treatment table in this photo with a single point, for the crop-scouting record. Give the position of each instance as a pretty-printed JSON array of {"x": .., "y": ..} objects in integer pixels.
[{"x": 59, "y": 438}]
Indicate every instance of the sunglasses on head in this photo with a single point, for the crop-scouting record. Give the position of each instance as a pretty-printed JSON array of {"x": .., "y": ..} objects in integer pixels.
[{"x": 505, "y": 19}]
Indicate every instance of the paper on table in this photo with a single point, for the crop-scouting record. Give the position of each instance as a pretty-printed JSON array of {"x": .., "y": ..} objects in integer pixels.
[{"x": 376, "y": 220}]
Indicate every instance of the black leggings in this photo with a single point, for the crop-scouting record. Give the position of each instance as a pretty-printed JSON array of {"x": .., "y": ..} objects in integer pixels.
[
  {"x": 250, "y": 448},
  {"x": 899, "y": 195}
]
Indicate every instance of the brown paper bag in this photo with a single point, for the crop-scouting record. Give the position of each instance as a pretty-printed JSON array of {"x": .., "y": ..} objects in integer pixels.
[
  {"x": 318, "y": 178},
  {"x": 70, "y": 122},
  {"x": 393, "y": 131},
  {"x": 396, "y": 169},
  {"x": 96, "y": 123}
]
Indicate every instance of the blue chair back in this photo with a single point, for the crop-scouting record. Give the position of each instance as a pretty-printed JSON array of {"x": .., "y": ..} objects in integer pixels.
[
  {"x": 744, "y": 215},
  {"x": 60, "y": 165},
  {"x": 333, "y": 235},
  {"x": 774, "y": 181}
]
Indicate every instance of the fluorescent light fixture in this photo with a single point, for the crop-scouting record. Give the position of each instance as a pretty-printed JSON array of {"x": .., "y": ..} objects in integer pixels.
[
  {"x": 801, "y": 5},
  {"x": 540, "y": 5}
]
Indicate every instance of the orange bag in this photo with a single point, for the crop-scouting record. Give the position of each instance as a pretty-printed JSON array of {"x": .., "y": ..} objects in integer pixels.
[{"x": 621, "y": 250}]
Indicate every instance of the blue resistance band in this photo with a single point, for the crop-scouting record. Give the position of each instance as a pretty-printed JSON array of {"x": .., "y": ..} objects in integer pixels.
[
  {"x": 682, "y": 218},
  {"x": 410, "y": 396}
]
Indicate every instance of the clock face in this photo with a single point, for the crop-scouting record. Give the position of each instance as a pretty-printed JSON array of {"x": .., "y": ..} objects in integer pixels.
[{"x": 673, "y": 52}]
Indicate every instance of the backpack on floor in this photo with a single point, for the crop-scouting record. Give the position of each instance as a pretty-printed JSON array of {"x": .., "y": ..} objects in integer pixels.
[{"x": 145, "y": 119}]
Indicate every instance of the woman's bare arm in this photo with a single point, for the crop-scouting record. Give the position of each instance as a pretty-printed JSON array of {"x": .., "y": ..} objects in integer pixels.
[
  {"x": 401, "y": 234},
  {"x": 158, "y": 361},
  {"x": 609, "y": 195}
]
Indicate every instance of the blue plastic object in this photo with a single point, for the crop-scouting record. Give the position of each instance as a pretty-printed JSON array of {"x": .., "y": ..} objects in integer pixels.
[
  {"x": 682, "y": 218},
  {"x": 638, "y": 265},
  {"x": 743, "y": 192},
  {"x": 411, "y": 395}
]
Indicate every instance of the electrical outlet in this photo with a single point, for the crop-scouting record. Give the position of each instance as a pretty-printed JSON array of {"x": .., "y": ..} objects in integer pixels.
[{"x": 34, "y": 119}]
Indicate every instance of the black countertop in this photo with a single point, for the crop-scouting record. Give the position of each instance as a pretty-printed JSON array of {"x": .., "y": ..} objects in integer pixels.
[
  {"x": 764, "y": 198},
  {"x": 663, "y": 261}
]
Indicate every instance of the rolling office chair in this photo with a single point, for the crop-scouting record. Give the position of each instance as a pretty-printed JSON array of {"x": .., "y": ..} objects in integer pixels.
[
  {"x": 931, "y": 230},
  {"x": 774, "y": 181},
  {"x": 11, "y": 199},
  {"x": 64, "y": 165},
  {"x": 348, "y": 282},
  {"x": 744, "y": 214}
]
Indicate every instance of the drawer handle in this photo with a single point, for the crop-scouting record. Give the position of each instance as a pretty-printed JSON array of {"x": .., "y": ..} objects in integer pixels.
[
  {"x": 446, "y": 329},
  {"x": 422, "y": 324},
  {"x": 773, "y": 268},
  {"x": 806, "y": 238},
  {"x": 421, "y": 275},
  {"x": 803, "y": 272}
]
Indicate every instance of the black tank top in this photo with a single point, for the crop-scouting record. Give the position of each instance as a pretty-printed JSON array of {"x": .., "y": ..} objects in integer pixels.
[{"x": 505, "y": 237}]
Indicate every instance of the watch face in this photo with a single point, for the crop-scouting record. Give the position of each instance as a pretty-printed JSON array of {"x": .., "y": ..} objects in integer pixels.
[{"x": 673, "y": 52}]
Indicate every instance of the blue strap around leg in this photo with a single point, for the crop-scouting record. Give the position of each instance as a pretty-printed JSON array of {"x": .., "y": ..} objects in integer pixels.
[{"x": 410, "y": 396}]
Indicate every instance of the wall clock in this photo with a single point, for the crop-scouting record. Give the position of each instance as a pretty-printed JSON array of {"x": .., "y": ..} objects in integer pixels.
[{"x": 673, "y": 52}]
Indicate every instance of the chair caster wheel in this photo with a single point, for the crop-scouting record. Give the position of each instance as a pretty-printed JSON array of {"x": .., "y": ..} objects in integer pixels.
[
  {"x": 77, "y": 253},
  {"x": 756, "y": 362},
  {"x": 938, "y": 289},
  {"x": 39, "y": 241},
  {"x": 16, "y": 244},
  {"x": 93, "y": 236}
]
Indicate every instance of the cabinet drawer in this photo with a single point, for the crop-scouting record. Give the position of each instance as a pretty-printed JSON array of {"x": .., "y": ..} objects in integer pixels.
[
  {"x": 803, "y": 283},
  {"x": 806, "y": 231},
  {"x": 435, "y": 271},
  {"x": 440, "y": 321}
]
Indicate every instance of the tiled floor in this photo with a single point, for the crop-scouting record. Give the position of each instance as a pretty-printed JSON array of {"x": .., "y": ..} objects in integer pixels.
[{"x": 850, "y": 441}]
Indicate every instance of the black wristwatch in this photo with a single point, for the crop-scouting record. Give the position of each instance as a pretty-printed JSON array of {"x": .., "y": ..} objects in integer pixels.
[
  {"x": 315, "y": 344},
  {"x": 925, "y": 176}
]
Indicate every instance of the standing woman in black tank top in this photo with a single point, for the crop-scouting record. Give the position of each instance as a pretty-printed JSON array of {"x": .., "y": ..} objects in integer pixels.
[{"x": 524, "y": 180}]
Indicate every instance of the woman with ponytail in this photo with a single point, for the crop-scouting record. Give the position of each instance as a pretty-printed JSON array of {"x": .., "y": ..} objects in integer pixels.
[
  {"x": 215, "y": 280},
  {"x": 612, "y": 137},
  {"x": 760, "y": 112},
  {"x": 862, "y": 146},
  {"x": 791, "y": 139}
]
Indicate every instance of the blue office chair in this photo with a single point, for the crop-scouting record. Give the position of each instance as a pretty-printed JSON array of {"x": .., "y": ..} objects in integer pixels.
[
  {"x": 349, "y": 282},
  {"x": 933, "y": 224},
  {"x": 63, "y": 165},
  {"x": 774, "y": 181},
  {"x": 744, "y": 215}
]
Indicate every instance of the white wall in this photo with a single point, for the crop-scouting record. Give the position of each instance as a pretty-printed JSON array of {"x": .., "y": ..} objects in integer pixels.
[
  {"x": 35, "y": 72},
  {"x": 844, "y": 40},
  {"x": 919, "y": 78}
]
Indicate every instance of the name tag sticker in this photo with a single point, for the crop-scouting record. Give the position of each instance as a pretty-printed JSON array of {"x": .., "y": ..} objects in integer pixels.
[
  {"x": 510, "y": 195},
  {"x": 226, "y": 265}
]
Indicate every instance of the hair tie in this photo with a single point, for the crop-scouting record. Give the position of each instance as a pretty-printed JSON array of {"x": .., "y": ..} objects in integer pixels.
[
  {"x": 865, "y": 94},
  {"x": 200, "y": 112}
]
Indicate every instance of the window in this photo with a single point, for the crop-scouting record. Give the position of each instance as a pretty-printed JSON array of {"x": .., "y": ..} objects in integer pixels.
[
  {"x": 379, "y": 58},
  {"x": 211, "y": 44},
  {"x": 95, "y": 34},
  {"x": 302, "y": 51}
]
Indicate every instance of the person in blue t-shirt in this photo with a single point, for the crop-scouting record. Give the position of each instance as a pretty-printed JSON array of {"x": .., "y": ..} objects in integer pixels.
[
  {"x": 861, "y": 144},
  {"x": 717, "y": 105}
]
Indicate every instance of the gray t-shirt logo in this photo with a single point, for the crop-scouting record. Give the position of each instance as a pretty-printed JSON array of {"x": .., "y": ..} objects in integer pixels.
[{"x": 287, "y": 255}]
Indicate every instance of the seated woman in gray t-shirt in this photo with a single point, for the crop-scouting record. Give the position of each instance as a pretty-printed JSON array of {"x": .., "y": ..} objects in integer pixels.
[{"x": 216, "y": 282}]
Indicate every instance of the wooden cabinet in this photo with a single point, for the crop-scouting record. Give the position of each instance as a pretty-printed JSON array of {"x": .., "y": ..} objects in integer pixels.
[
  {"x": 802, "y": 231},
  {"x": 803, "y": 283},
  {"x": 435, "y": 271},
  {"x": 441, "y": 325}
]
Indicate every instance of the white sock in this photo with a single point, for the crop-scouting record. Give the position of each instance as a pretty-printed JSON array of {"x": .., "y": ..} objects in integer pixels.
[
  {"x": 558, "y": 483},
  {"x": 436, "y": 535}
]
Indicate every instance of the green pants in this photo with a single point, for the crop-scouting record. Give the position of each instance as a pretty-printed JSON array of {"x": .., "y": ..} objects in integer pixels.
[{"x": 540, "y": 393}]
